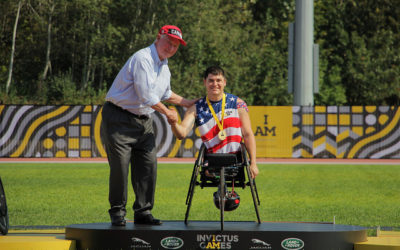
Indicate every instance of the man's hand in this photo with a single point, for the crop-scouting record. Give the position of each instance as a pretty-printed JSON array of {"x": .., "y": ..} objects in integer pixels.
[
  {"x": 172, "y": 116},
  {"x": 170, "y": 113},
  {"x": 253, "y": 170}
]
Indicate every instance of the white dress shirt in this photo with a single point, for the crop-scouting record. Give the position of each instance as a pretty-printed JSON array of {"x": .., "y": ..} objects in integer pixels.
[{"x": 142, "y": 82}]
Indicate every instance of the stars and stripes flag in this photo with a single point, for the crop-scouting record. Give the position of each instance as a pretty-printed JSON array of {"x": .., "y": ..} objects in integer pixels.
[{"x": 208, "y": 127}]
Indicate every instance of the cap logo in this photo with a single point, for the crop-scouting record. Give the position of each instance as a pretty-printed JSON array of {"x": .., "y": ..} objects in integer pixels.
[
  {"x": 172, "y": 31},
  {"x": 175, "y": 32}
]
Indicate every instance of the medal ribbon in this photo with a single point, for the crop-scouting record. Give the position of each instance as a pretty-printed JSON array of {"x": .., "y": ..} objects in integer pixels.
[{"x": 220, "y": 124}]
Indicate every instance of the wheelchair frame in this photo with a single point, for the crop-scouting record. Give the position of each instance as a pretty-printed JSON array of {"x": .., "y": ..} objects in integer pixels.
[{"x": 225, "y": 164}]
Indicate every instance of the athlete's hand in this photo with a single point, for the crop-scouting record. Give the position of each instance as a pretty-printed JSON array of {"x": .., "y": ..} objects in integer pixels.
[{"x": 254, "y": 170}]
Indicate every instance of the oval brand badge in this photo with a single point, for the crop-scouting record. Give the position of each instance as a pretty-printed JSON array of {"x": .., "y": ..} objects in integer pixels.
[
  {"x": 292, "y": 244},
  {"x": 171, "y": 243}
]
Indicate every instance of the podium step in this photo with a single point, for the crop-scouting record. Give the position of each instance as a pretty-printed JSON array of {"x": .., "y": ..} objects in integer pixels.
[
  {"x": 36, "y": 239},
  {"x": 385, "y": 240},
  {"x": 55, "y": 240},
  {"x": 208, "y": 235}
]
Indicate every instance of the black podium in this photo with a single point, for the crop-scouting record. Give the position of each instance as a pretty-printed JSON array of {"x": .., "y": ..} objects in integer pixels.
[{"x": 208, "y": 235}]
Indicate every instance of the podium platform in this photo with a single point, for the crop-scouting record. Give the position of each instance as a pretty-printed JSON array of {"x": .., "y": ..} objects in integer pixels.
[{"x": 208, "y": 235}]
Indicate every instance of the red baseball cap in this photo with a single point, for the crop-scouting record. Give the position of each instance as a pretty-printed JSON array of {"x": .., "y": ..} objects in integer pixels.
[{"x": 172, "y": 31}]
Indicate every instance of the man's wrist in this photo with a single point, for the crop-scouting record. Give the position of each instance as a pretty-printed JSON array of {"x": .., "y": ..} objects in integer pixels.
[
  {"x": 185, "y": 103},
  {"x": 190, "y": 103}
]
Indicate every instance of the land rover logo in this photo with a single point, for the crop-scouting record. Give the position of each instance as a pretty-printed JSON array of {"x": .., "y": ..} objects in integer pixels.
[
  {"x": 292, "y": 244},
  {"x": 171, "y": 243}
]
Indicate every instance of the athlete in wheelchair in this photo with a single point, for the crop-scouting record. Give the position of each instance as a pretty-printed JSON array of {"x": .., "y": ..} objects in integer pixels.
[{"x": 223, "y": 122}]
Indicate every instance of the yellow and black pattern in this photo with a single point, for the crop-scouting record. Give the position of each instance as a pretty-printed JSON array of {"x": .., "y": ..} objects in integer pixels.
[
  {"x": 318, "y": 132},
  {"x": 381, "y": 134},
  {"x": 73, "y": 131},
  {"x": 346, "y": 132},
  {"x": 47, "y": 131},
  {"x": 36, "y": 131}
]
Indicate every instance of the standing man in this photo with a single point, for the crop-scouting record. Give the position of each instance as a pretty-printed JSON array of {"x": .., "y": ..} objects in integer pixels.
[
  {"x": 137, "y": 91},
  {"x": 221, "y": 118}
]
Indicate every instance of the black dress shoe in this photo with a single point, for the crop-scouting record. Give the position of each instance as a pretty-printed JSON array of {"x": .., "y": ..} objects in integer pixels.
[
  {"x": 118, "y": 221},
  {"x": 147, "y": 219}
]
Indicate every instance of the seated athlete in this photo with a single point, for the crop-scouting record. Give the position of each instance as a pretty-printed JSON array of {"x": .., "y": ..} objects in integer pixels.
[{"x": 222, "y": 119}]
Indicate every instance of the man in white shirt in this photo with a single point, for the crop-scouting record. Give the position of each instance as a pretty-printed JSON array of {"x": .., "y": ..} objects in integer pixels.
[{"x": 137, "y": 91}]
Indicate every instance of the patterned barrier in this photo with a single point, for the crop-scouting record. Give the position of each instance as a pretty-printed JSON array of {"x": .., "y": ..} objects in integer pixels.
[
  {"x": 346, "y": 132},
  {"x": 281, "y": 131},
  {"x": 71, "y": 131}
]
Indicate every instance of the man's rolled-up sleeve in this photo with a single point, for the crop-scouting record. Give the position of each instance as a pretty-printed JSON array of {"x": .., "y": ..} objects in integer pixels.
[
  {"x": 144, "y": 83},
  {"x": 167, "y": 94}
]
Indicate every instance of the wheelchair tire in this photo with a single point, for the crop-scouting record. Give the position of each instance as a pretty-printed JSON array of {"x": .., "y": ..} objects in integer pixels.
[{"x": 4, "y": 222}]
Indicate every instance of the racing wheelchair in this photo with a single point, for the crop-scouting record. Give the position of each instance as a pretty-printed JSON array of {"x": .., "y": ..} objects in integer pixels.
[{"x": 222, "y": 171}]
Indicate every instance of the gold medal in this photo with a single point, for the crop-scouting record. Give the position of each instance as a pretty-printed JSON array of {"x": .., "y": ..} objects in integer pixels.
[
  {"x": 222, "y": 132},
  {"x": 222, "y": 135}
]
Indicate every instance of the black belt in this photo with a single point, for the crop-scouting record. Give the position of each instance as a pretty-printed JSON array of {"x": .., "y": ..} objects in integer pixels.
[{"x": 143, "y": 117}]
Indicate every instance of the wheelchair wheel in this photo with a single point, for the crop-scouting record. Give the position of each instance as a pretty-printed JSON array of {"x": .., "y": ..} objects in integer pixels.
[{"x": 3, "y": 211}]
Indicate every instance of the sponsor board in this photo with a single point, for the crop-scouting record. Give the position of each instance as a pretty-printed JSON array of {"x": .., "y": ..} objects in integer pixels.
[
  {"x": 217, "y": 241},
  {"x": 139, "y": 243},
  {"x": 292, "y": 244},
  {"x": 171, "y": 242},
  {"x": 259, "y": 244}
]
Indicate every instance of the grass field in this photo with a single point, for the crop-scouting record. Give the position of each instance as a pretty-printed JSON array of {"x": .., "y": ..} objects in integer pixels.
[{"x": 62, "y": 194}]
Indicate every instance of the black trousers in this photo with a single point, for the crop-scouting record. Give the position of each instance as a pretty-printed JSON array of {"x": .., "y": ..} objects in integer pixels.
[{"x": 129, "y": 139}]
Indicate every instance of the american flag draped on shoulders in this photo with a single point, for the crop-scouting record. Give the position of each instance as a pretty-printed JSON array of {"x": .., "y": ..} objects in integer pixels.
[{"x": 208, "y": 127}]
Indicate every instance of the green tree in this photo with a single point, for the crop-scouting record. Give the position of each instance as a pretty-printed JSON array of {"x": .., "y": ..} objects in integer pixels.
[
  {"x": 79, "y": 46},
  {"x": 359, "y": 52}
]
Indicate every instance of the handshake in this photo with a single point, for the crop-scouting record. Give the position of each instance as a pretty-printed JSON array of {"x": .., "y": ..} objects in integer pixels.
[{"x": 172, "y": 116}]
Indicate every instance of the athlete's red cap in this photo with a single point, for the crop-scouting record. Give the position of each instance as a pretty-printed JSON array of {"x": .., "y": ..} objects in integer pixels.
[{"x": 172, "y": 31}]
